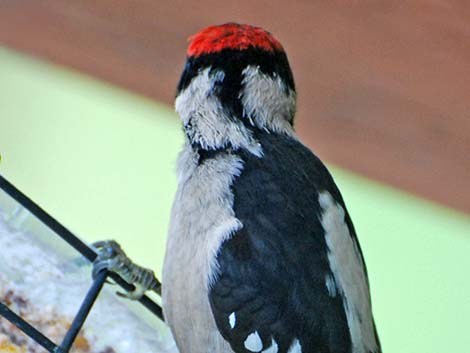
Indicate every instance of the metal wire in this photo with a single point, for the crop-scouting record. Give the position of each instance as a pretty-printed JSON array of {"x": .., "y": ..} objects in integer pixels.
[
  {"x": 85, "y": 308},
  {"x": 28, "y": 329},
  {"x": 92, "y": 293}
]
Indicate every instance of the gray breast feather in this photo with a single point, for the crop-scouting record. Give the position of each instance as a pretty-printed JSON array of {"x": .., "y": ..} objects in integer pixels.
[{"x": 202, "y": 218}]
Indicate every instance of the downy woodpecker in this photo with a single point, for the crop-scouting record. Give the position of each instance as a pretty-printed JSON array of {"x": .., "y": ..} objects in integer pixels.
[{"x": 262, "y": 255}]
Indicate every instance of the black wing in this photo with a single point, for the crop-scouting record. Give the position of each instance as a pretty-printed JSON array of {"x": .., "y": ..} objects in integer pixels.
[{"x": 273, "y": 271}]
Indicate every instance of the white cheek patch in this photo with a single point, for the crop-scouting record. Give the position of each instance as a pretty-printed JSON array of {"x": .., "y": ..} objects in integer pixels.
[
  {"x": 348, "y": 271},
  {"x": 205, "y": 120},
  {"x": 267, "y": 101},
  {"x": 253, "y": 342}
]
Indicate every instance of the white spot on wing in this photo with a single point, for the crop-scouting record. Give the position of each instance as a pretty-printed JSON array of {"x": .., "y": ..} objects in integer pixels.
[
  {"x": 253, "y": 342},
  {"x": 232, "y": 320},
  {"x": 273, "y": 348},
  {"x": 348, "y": 270},
  {"x": 295, "y": 347}
]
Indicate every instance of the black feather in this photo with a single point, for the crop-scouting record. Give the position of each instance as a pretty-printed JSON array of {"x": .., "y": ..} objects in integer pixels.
[{"x": 273, "y": 270}]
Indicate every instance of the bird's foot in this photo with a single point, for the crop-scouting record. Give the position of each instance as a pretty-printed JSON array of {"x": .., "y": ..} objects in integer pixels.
[{"x": 112, "y": 258}]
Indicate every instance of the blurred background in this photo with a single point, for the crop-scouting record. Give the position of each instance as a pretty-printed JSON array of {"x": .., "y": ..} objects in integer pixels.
[{"x": 88, "y": 131}]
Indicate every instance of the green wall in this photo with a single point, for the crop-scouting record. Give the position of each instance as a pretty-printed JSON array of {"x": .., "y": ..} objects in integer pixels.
[{"x": 101, "y": 160}]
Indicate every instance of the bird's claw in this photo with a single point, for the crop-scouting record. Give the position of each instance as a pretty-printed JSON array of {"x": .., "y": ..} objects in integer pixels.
[{"x": 111, "y": 257}]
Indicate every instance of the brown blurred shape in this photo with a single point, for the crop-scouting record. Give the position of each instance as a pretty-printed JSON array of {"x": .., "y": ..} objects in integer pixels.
[{"x": 384, "y": 86}]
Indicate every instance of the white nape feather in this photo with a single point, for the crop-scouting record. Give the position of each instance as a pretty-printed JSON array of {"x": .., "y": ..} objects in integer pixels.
[
  {"x": 267, "y": 101},
  {"x": 205, "y": 118},
  {"x": 348, "y": 270}
]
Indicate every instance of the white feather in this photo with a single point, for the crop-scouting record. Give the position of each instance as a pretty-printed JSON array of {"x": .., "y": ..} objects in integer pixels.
[
  {"x": 232, "y": 320},
  {"x": 253, "y": 342},
  {"x": 267, "y": 101},
  {"x": 295, "y": 347},
  {"x": 202, "y": 218},
  {"x": 348, "y": 271},
  {"x": 199, "y": 107}
]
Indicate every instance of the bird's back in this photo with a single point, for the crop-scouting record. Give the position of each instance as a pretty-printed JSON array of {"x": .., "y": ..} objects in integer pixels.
[{"x": 294, "y": 273}]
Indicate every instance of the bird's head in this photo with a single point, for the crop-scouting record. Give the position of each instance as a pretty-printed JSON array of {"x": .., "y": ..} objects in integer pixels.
[{"x": 236, "y": 81}]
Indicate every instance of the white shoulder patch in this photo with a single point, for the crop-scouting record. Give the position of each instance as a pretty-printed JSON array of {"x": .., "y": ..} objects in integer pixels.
[
  {"x": 253, "y": 342},
  {"x": 348, "y": 270}
]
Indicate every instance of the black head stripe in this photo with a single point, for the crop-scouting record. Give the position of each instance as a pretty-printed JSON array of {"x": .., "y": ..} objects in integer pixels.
[{"x": 233, "y": 62}]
